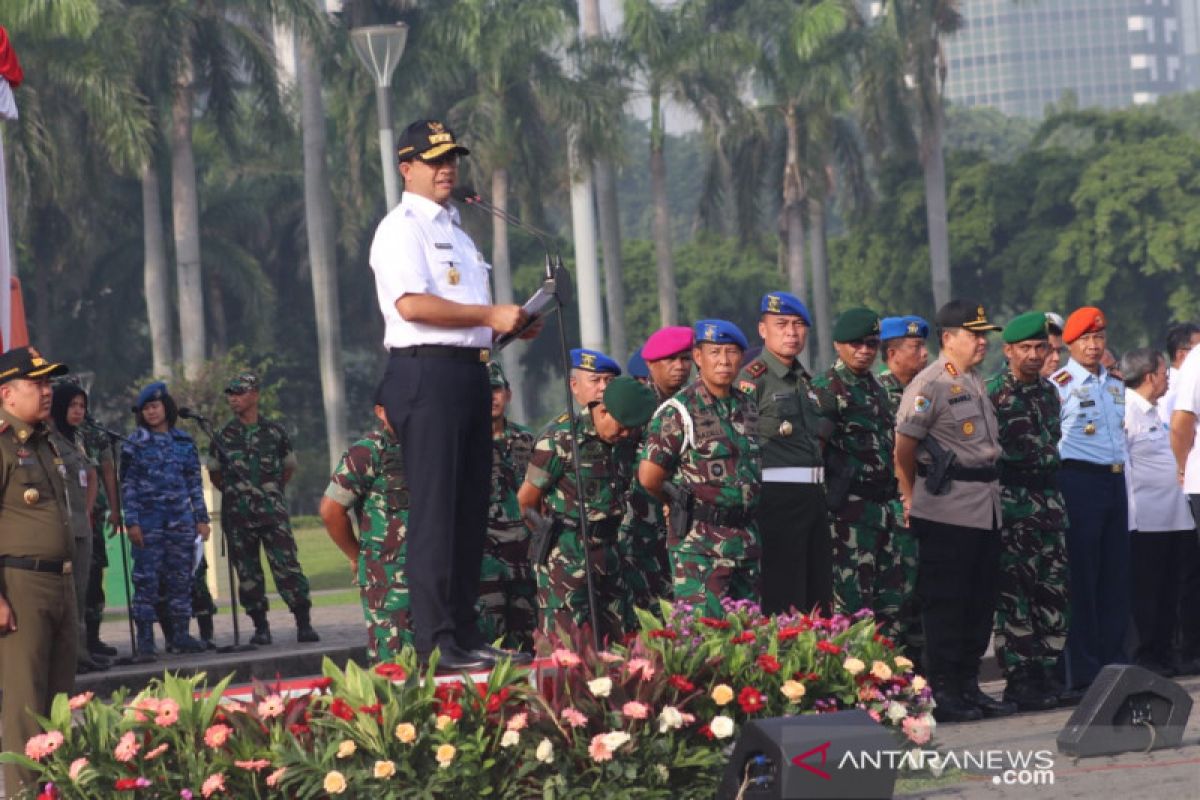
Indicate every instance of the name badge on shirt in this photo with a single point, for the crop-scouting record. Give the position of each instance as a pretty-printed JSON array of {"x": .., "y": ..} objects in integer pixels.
[{"x": 444, "y": 245}]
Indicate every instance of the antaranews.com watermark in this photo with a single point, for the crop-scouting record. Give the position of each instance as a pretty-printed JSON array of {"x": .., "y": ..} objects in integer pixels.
[{"x": 1007, "y": 767}]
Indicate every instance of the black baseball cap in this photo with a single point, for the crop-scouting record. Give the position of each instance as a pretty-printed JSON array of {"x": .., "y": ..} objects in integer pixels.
[
  {"x": 427, "y": 139},
  {"x": 965, "y": 314},
  {"x": 27, "y": 362}
]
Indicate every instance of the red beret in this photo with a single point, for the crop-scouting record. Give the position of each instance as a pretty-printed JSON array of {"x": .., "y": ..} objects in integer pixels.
[
  {"x": 667, "y": 342},
  {"x": 1083, "y": 320}
]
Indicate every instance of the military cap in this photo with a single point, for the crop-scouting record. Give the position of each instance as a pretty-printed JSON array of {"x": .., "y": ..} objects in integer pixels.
[
  {"x": 1088, "y": 319},
  {"x": 667, "y": 341},
  {"x": 784, "y": 303},
  {"x": 27, "y": 362},
  {"x": 1030, "y": 326},
  {"x": 153, "y": 391},
  {"x": 427, "y": 139},
  {"x": 965, "y": 314},
  {"x": 636, "y": 365},
  {"x": 243, "y": 382},
  {"x": 908, "y": 327},
  {"x": 630, "y": 401},
  {"x": 719, "y": 331},
  {"x": 593, "y": 361},
  {"x": 496, "y": 375},
  {"x": 855, "y": 323},
  {"x": 1057, "y": 323}
]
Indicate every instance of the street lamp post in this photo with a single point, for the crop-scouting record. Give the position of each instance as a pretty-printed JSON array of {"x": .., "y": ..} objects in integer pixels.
[{"x": 379, "y": 47}]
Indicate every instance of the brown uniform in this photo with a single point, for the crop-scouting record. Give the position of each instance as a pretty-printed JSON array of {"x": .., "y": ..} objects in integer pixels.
[{"x": 37, "y": 660}]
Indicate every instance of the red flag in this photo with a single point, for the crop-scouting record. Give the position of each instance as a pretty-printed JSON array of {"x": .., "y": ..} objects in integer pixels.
[{"x": 10, "y": 67}]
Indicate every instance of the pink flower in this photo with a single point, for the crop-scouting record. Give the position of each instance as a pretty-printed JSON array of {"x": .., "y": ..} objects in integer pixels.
[
  {"x": 565, "y": 658},
  {"x": 274, "y": 777},
  {"x": 598, "y": 750},
  {"x": 42, "y": 745},
  {"x": 212, "y": 784},
  {"x": 917, "y": 729},
  {"x": 610, "y": 658},
  {"x": 635, "y": 710},
  {"x": 156, "y": 752},
  {"x": 168, "y": 714},
  {"x": 271, "y": 706},
  {"x": 217, "y": 735},
  {"x": 517, "y": 722},
  {"x": 80, "y": 700},
  {"x": 641, "y": 665},
  {"x": 574, "y": 717},
  {"x": 255, "y": 765},
  {"x": 77, "y": 766},
  {"x": 126, "y": 748}
]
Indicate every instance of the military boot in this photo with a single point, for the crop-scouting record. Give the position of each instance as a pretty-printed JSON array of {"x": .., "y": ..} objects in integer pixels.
[
  {"x": 304, "y": 628},
  {"x": 1026, "y": 689},
  {"x": 950, "y": 705},
  {"x": 145, "y": 642},
  {"x": 205, "y": 623},
  {"x": 262, "y": 630},
  {"x": 182, "y": 642},
  {"x": 988, "y": 705},
  {"x": 94, "y": 645}
]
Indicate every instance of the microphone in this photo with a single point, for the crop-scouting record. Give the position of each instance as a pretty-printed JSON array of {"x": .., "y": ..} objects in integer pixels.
[
  {"x": 468, "y": 195},
  {"x": 187, "y": 413}
]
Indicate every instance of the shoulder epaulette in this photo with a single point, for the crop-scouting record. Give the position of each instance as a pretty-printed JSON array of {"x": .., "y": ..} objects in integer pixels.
[
  {"x": 4, "y": 425},
  {"x": 1062, "y": 377},
  {"x": 953, "y": 370},
  {"x": 756, "y": 368},
  {"x": 562, "y": 418}
]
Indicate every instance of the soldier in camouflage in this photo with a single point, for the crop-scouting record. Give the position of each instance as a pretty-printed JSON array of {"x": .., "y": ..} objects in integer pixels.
[
  {"x": 253, "y": 514},
  {"x": 1032, "y": 609},
  {"x": 107, "y": 509},
  {"x": 857, "y": 427},
  {"x": 703, "y": 441},
  {"x": 604, "y": 438},
  {"x": 507, "y": 591},
  {"x": 369, "y": 479}
]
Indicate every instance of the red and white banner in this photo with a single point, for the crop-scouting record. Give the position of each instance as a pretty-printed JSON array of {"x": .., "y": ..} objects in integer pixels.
[{"x": 11, "y": 76}]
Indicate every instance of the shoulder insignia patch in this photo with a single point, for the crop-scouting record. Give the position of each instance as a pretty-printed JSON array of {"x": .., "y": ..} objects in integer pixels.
[
  {"x": 756, "y": 369},
  {"x": 953, "y": 370},
  {"x": 921, "y": 404},
  {"x": 747, "y": 386},
  {"x": 1062, "y": 377}
]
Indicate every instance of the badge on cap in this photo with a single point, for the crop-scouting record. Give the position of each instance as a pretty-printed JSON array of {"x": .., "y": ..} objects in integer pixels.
[
  {"x": 773, "y": 304},
  {"x": 914, "y": 329},
  {"x": 710, "y": 333},
  {"x": 587, "y": 361}
]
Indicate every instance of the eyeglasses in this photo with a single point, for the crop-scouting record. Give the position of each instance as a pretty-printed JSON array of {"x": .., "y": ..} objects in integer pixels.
[{"x": 864, "y": 344}]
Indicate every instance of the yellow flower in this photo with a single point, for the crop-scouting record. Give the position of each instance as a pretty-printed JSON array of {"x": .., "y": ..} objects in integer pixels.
[
  {"x": 722, "y": 694},
  {"x": 406, "y": 732},
  {"x": 793, "y": 690},
  {"x": 918, "y": 683},
  {"x": 853, "y": 666},
  {"x": 881, "y": 671},
  {"x": 346, "y": 748},
  {"x": 444, "y": 721},
  {"x": 384, "y": 769},
  {"x": 903, "y": 663},
  {"x": 335, "y": 782},
  {"x": 445, "y": 754}
]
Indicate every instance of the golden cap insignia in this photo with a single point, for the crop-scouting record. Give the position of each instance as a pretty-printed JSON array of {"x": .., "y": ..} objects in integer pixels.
[
  {"x": 979, "y": 315},
  {"x": 436, "y": 127},
  {"x": 587, "y": 361},
  {"x": 710, "y": 333},
  {"x": 773, "y": 305},
  {"x": 914, "y": 329}
]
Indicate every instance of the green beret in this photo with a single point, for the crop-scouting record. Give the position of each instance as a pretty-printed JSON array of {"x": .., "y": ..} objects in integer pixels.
[
  {"x": 1028, "y": 326},
  {"x": 856, "y": 323},
  {"x": 630, "y": 401},
  {"x": 496, "y": 375}
]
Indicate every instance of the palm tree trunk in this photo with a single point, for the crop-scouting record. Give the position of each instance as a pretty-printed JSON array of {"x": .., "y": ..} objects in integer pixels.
[
  {"x": 820, "y": 281},
  {"x": 322, "y": 261},
  {"x": 587, "y": 270},
  {"x": 609, "y": 217},
  {"x": 185, "y": 214},
  {"x": 793, "y": 207},
  {"x": 216, "y": 310},
  {"x": 154, "y": 274},
  {"x": 502, "y": 282},
  {"x": 934, "y": 168},
  {"x": 668, "y": 297}
]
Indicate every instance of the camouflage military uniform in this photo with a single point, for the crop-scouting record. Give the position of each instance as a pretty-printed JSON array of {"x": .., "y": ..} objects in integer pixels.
[
  {"x": 707, "y": 443},
  {"x": 253, "y": 513},
  {"x": 370, "y": 479},
  {"x": 507, "y": 591},
  {"x": 891, "y": 384},
  {"x": 97, "y": 447},
  {"x": 868, "y": 572},
  {"x": 1032, "y": 610},
  {"x": 606, "y": 471}
]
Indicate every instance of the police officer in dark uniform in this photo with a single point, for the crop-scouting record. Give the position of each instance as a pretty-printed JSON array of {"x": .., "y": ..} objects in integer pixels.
[
  {"x": 432, "y": 286},
  {"x": 38, "y": 627}
]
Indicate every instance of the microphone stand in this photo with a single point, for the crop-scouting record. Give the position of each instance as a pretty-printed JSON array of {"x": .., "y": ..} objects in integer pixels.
[
  {"x": 557, "y": 282},
  {"x": 228, "y": 467}
]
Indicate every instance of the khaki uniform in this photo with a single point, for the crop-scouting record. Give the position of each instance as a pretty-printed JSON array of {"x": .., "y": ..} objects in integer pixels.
[{"x": 37, "y": 661}]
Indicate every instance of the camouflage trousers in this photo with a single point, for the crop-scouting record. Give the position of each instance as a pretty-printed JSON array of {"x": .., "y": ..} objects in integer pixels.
[
  {"x": 276, "y": 540},
  {"x": 562, "y": 594},
  {"x": 507, "y": 591},
  {"x": 704, "y": 579},
  {"x": 93, "y": 609},
  {"x": 1033, "y": 609},
  {"x": 645, "y": 568},
  {"x": 911, "y": 631},
  {"x": 868, "y": 568},
  {"x": 385, "y": 604},
  {"x": 164, "y": 563}
]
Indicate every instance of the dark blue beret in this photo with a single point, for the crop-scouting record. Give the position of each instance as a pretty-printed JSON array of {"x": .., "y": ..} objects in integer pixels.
[
  {"x": 719, "y": 331},
  {"x": 784, "y": 303},
  {"x": 901, "y": 327},
  {"x": 593, "y": 361}
]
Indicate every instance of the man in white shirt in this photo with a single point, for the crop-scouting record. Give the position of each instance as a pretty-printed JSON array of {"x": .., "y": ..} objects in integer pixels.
[
  {"x": 432, "y": 285},
  {"x": 1186, "y": 446},
  {"x": 1159, "y": 517},
  {"x": 1181, "y": 338}
]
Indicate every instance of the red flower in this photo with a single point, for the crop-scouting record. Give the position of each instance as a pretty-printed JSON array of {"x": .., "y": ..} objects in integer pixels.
[
  {"x": 681, "y": 683},
  {"x": 826, "y": 646},
  {"x": 375, "y": 711},
  {"x": 297, "y": 729},
  {"x": 663, "y": 633},
  {"x": 629, "y": 638},
  {"x": 745, "y": 637},
  {"x": 718, "y": 624},
  {"x": 707, "y": 733},
  {"x": 341, "y": 709},
  {"x": 768, "y": 664},
  {"x": 322, "y": 683},
  {"x": 886, "y": 642},
  {"x": 126, "y": 784},
  {"x": 448, "y": 691},
  {"x": 393, "y": 672},
  {"x": 451, "y": 710},
  {"x": 751, "y": 700},
  {"x": 789, "y": 633}
]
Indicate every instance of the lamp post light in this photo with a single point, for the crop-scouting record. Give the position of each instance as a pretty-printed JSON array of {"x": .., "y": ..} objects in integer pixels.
[{"x": 379, "y": 47}]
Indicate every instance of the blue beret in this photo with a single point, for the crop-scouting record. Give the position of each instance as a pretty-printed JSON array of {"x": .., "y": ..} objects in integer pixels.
[
  {"x": 155, "y": 391},
  {"x": 593, "y": 361},
  {"x": 784, "y": 303},
  {"x": 636, "y": 365},
  {"x": 901, "y": 327},
  {"x": 719, "y": 331}
]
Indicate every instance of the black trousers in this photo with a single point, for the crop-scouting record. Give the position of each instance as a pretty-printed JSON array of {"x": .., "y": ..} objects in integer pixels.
[
  {"x": 1154, "y": 592},
  {"x": 1189, "y": 589},
  {"x": 958, "y": 572},
  {"x": 440, "y": 409},
  {"x": 797, "y": 547}
]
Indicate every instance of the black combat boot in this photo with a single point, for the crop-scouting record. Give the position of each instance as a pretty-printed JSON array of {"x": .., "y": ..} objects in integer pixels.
[
  {"x": 145, "y": 643},
  {"x": 988, "y": 705},
  {"x": 304, "y": 628},
  {"x": 1027, "y": 691},
  {"x": 262, "y": 629},
  {"x": 182, "y": 641},
  {"x": 950, "y": 705},
  {"x": 205, "y": 623},
  {"x": 94, "y": 645}
]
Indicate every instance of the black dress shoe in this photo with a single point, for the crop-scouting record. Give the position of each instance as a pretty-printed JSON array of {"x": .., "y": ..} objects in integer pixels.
[
  {"x": 494, "y": 655},
  {"x": 952, "y": 708},
  {"x": 1028, "y": 695},
  {"x": 988, "y": 705},
  {"x": 452, "y": 658}
]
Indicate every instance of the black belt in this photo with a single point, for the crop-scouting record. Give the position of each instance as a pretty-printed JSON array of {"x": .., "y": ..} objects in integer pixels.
[
  {"x": 59, "y": 567},
  {"x": 872, "y": 491},
  {"x": 604, "y": 529},
  {"x": 725, "y": 517},
  {"x": 1038, "y": 480},
  {"x": 475, "y": 355},
  {"x": 1091, "y": 466},
  {"x": 965, "y": 474}
]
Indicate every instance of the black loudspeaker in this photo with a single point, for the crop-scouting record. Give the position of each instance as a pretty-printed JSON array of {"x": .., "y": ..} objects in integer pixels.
[
  {"x": 845, "y": 754},
  {"x": 1126, "y": 709}
]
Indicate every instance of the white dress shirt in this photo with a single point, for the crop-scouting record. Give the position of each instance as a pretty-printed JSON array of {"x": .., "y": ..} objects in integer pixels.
[
  {"x": 1156, "y": 502},
  {"x": 1187, "y": 398},
  {"x": 420, "y": 248},
  {"x": 1166, "y": 403}
]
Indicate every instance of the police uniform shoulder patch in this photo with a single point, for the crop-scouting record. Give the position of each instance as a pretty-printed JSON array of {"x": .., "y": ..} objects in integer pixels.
[
  {"x": 747, "y": 386},
  {"x": 756, "y": 369},
  {"x": 921, "y": 404},
  {"x": 1062, "y": 377}
]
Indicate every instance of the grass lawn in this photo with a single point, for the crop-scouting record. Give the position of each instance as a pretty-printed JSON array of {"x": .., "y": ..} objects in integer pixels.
[{"x": 323, "y": 564}]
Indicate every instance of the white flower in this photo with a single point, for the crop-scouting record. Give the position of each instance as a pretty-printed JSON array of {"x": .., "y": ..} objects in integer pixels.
[
  {"x": 669, "y": 719},
  {"x": 545, "y": 751},
  {"x": 664, "y": 774},
  {"x": 721, "y": 727},
  {"x": 614, "y": 739},
  {"x": 509, "y": 738},
  {"x": 601, "y": 687},
  {"x": 896, "y": 711}
]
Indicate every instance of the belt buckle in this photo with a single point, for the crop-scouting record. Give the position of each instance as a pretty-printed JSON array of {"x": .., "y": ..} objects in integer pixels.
[
  {"x": 1117, "y": 469},
  {"x": 485, "y": 355},
  {"x": 67, "y": 568}
]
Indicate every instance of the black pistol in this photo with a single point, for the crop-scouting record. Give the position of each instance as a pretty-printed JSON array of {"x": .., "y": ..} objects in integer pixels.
[
  {"x": 543, "y": 538},
  {"x": 938, "y": 478},
  {"x": 679, "y": 501}
]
